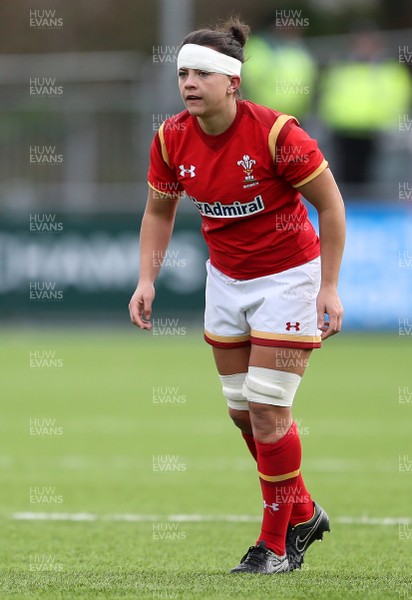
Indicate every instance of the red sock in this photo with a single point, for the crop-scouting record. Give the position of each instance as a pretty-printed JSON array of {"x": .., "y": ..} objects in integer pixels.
[
  {"x": 302, "y": 509},
  {"x": 278, "y": 467},
  {"x": 303, "y": 506},
  {"x": 250, "y": 441}
]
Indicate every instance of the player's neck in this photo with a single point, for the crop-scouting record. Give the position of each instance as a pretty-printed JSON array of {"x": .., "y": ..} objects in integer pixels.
[{"x": 220, "y": 122}]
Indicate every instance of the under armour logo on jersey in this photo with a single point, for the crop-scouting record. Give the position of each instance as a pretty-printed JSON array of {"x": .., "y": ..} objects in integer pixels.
[
  {"x": 273, "y": 506},
  {"x": 190, "y": 171},
  {"x": 290, "y": 325}
]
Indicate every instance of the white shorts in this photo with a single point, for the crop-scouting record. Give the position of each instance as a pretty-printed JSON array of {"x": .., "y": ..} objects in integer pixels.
[{"x": 275, "y": 310}]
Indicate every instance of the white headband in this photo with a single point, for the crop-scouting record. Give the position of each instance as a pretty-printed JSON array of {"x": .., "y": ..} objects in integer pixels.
[{"x": 202, "y": 58}]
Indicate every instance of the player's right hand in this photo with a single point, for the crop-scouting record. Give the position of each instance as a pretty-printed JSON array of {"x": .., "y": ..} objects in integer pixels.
[{"x": 140, "y": 305}]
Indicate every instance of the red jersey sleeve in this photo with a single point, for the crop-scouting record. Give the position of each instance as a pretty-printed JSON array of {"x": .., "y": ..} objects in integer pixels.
[
  {"x": 161, "y": 177},
  {"x": 297, "y": 157}
]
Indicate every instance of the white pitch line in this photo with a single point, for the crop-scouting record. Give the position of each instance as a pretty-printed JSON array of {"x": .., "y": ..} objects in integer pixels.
[{"x": 144, "y": 518}]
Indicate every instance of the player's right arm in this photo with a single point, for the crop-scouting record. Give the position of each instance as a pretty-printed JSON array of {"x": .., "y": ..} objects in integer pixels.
[{"x": 155, "y": 233}]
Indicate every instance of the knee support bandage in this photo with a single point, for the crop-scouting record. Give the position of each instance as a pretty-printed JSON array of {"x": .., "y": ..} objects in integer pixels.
[
  {"x": 269, "y": 386},
  {"x": 232, "y": 390}
]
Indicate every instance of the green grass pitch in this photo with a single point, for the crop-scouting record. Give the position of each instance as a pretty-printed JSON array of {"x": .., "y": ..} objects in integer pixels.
[{"x": 121, "y": 422}]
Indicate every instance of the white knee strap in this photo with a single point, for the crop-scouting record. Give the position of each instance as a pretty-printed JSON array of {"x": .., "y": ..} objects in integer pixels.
[
  {"x": 232, "y": 390},
  {"x": 269, "y": 386}
]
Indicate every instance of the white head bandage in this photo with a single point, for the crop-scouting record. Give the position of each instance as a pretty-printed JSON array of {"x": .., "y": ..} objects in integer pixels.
[{"x": 201, "y": 58}]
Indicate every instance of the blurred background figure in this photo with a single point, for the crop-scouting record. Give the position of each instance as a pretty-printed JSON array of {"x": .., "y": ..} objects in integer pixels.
[
  {"x": 360, "y": 98},
  {"x": 279, "y": 71}
]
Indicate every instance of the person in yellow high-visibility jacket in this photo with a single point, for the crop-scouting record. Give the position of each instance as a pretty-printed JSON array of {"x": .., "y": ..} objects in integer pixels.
[
  {"x": 281, "y": 73},
  {"x": 359, "y": 99}
]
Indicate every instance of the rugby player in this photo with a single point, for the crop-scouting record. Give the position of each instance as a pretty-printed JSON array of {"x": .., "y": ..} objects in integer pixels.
[{"x": 271, "y": 290}]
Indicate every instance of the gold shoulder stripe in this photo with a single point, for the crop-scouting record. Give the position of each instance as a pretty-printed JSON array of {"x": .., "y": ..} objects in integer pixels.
[
  {"x": 165, "y": 155},
  {"x": 323, "y": 165},
  {"x": 279, "y": 477},
  {"x": 274, "y": 132}
]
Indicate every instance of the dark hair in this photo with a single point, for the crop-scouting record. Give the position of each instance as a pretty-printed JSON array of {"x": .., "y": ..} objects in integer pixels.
[{"x": 229, "y": 38}]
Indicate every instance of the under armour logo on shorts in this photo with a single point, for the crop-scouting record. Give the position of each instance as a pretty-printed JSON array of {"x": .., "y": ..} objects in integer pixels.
[{"x": 290, "y": 325}]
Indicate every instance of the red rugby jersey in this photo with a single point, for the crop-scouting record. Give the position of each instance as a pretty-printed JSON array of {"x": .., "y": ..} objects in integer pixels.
[{"x": 243, "y": 183}]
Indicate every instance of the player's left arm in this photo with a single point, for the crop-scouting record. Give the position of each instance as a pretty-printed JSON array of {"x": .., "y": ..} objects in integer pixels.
[{"x": 324, "y": 194}]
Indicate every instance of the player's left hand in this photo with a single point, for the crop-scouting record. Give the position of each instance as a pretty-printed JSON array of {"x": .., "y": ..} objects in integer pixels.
[{"x": 330, "y": 311}]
